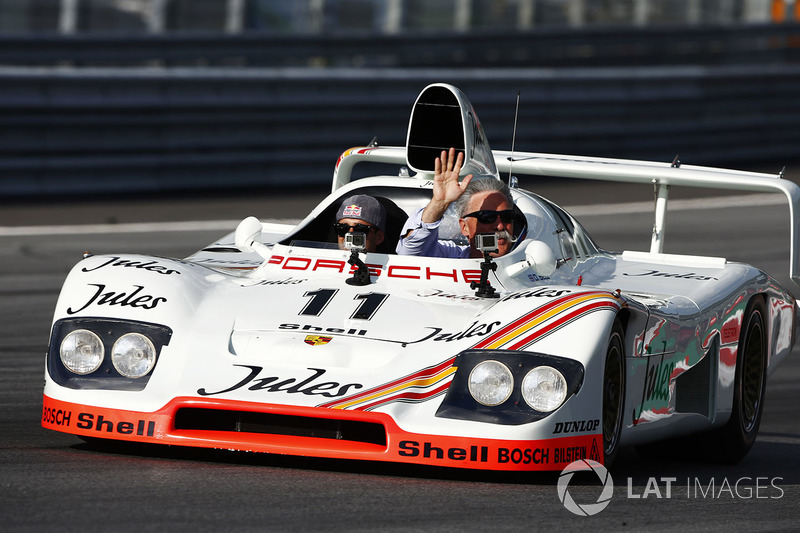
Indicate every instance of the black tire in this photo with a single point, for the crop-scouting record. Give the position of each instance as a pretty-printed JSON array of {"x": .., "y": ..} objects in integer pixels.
[
  {"x": 732, "y": 442},
  {"x": 97, "y": 443},
  {"x": 613, "y": 393}
]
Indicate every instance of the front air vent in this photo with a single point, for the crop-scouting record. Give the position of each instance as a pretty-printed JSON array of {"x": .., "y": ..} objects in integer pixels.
[
  {"x": 693, "y": 387},
  {"x": 199, "y": 419}
]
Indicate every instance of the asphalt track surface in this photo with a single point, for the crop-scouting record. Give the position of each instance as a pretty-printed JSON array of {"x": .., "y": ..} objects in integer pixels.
[{"x": 54, "y": 482}]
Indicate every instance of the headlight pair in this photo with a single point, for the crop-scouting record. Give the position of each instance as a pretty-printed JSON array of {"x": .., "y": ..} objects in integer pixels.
[
  {"x": 105, "y": 353},
  {"x": 133, "y": 354},
  {"x": 543, "y": 388},
  {"x": 509, "y": 387}
]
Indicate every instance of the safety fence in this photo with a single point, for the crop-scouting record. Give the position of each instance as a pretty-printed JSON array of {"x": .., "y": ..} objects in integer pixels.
[{"x": 86, "y": 130}]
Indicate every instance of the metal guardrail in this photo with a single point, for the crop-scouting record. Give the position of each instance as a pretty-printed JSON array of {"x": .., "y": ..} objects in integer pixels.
[{"x": 66, "y": 130}]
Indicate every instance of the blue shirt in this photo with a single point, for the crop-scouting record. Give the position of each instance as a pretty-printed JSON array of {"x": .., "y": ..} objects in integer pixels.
[{"x": 424, "y": 240}]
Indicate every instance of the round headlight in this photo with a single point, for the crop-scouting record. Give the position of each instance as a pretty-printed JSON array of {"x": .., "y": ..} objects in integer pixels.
[
  {"x": 82, "y": 352},
  {"x": 544, "y": 388},
  {"x": 133, "y": 355},
  {"x": 491, "y": 383}
]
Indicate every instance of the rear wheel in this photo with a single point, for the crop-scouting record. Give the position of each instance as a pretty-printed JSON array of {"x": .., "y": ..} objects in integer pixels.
[{"x": 613, "y": 393}]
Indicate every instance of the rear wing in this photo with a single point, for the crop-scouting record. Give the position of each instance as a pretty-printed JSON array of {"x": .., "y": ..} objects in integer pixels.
[{"x": 661, "y": 175}]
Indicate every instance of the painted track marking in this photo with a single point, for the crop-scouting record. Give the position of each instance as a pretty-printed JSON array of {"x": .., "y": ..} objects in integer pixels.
[{"x": 749, "y": 200}]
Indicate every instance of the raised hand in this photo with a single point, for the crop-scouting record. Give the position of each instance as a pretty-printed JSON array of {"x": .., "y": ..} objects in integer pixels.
[{"x": 446, "y": 187}]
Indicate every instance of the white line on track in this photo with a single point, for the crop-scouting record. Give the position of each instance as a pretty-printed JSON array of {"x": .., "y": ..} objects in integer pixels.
[
  {"x": 136, "y": 227},
  {"x": 750, "y": 200}
]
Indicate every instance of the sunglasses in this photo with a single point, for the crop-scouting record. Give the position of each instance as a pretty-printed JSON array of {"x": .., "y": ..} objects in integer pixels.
[
  {"x": 487, "y": 216},
  {"x": 342, "y": 228}
]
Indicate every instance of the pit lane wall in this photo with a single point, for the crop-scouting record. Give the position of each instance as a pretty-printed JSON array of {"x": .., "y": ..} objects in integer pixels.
[{"x": 78, "y": 128}]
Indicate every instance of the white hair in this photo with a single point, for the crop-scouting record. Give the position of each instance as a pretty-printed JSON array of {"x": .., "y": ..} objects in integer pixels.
[{"x": 482, "y": 185}]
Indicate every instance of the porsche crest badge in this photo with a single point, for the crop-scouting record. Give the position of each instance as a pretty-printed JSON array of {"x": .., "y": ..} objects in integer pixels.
[{"x": 317, "y": 340}]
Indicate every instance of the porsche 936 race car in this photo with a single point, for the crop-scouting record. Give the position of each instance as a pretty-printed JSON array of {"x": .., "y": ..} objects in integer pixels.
[{"x": 272, "y": 339}]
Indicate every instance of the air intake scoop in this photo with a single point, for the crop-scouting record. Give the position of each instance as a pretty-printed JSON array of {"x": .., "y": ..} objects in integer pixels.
[{"x": 442, "y": 118}]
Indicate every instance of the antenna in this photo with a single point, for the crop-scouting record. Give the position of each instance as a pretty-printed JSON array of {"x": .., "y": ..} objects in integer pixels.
[{"x": 513, "y": 139}]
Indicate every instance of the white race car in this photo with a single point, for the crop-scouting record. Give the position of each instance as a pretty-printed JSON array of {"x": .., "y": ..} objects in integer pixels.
[{"x": 274, "y": 340}]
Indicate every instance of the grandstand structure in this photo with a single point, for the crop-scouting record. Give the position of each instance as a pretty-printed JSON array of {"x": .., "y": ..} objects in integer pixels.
[{"x": 375, "y": 16}]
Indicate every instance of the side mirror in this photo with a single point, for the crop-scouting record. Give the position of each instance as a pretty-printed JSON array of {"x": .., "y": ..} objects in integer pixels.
[
  {"x": 541, "y": 258},
  {"x": 248, "y": 237}
]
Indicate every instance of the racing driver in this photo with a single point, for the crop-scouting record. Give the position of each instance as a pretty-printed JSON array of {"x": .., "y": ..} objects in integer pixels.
[
  {"x": 364, "y": 214},
  {"x": 484, "y": 205}
]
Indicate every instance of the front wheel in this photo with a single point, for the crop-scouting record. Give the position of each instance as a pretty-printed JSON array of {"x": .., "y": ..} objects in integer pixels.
[
  {"x": 613, "y": 393},
  {"x": 732, "y": 442}
]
